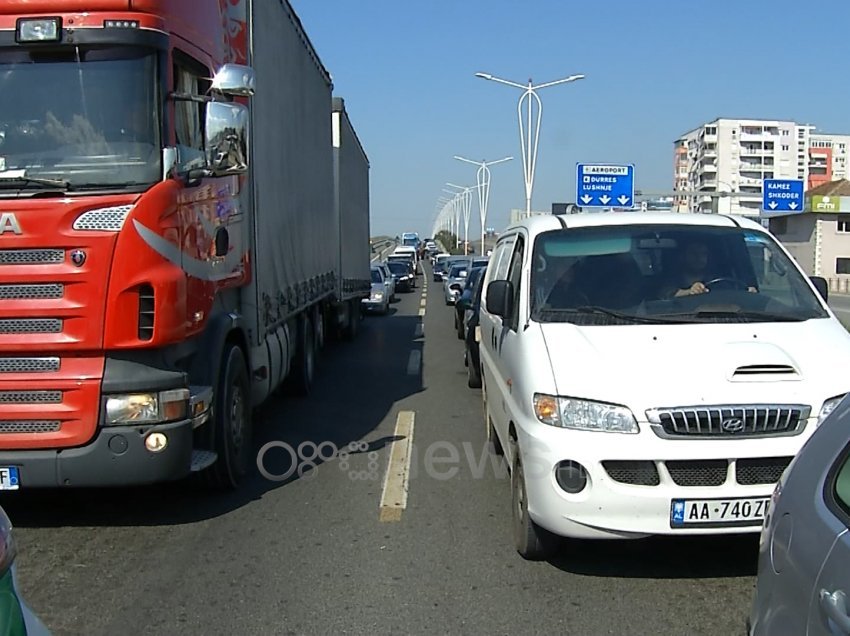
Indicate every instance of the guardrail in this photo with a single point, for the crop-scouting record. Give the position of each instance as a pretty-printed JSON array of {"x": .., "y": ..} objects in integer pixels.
[
  {"x": 379, "y": 245},
  {"x": 839, "y": 285}
]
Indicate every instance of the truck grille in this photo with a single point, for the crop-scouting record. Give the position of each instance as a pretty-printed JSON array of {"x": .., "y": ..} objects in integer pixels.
[
  {"x": 48, "y": 291},
  {"x": 11, "y": 427},
  {"x": 28, "y": 365},
  {"x": 635, "y": 473},
  {"x": 32, "y": 257},
  {"x": 30, "y": 325},
  {"x": 30, "y": 397},
  {"x": 147, "y": 311},
  {"x": 729, "y": 421}
]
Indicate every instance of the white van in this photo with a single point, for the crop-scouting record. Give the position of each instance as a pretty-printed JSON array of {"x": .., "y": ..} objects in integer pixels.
[{"x": 651, "y": 373}]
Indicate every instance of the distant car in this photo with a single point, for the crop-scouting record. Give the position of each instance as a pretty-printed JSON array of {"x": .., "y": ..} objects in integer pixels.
[
  {"x": 379, "y": 298},
  {"x": 389, "y": 280},
  {"x": 408, "y": 252},
  {"x": 16, "y": 618},
  {"x": 460, "y": 307},
  {"x": 405, "y": 280},
  {"x": 454, "y": 281},
  {"x": 472, "y": 335},
  {"x": 440, "y": 261},
  {"x": 803, "y": 584}
]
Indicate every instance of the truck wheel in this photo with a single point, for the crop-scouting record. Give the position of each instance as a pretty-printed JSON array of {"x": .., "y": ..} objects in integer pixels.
[
  {"x": 353, "y": 324},
  {"x": 231, "y": 422},
  {"x": 532, "y": 542},
  {"x": 319, "y": 322},
  {"x": 304, "y": 364}
]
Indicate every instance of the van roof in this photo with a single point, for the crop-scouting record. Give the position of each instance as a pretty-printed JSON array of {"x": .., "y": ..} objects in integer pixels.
[{"x": 543, "y": 223}]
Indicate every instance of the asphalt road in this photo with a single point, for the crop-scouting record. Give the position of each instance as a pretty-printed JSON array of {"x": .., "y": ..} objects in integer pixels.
[
  {"x": 840, "y": 304},
  {"x": 315, "y": 554}
]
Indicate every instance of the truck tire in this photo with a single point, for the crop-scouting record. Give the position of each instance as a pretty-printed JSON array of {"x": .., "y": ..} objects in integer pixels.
[
  {"x": 304, "y": 364},
  {"x": 352, "y": 326},
  {"x": 319, "y": 327},
  {"x": 231, "y": 422}
]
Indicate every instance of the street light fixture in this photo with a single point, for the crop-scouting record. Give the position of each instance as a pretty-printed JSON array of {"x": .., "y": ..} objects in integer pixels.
[
  {"x": 483, "y": 177},
  {"x": 466, "y": 207},
  {"x": 529, "y": 136}
]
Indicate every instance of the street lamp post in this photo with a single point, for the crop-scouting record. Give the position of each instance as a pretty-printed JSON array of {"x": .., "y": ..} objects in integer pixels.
[
  {"x": 529, "y": 135},
  {"x": 465, "y": 202},
  {"x": 455, "y": 214},
  {"x": 483, "y": 178}
]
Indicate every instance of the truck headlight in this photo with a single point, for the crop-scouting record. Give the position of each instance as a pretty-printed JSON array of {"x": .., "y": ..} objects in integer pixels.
[
  {"x": 828, "y": 407},
  {"x": 584, "y": 415},
  {"x": 147, "y": 408}
]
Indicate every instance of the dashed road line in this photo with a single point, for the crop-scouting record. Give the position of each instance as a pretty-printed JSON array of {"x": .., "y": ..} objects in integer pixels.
[
  {"x": 395, "y": 490},
  {"x": 413, "y": 362}
]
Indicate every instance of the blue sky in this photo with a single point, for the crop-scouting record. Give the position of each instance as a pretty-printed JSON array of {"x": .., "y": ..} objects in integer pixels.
[{"x": 655, "y": 68}]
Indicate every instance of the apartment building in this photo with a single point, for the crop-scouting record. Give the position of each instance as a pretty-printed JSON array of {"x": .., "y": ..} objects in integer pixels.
[
  {"x": 733, "y": 157},
  {"x": 827, "y": 156}
]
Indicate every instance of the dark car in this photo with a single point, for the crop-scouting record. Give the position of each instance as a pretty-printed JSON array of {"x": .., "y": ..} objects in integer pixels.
[
  {"x": 471, "y": 356},
  {"x": 402, "y": 271},
  {"x": 468, "y": 290}
]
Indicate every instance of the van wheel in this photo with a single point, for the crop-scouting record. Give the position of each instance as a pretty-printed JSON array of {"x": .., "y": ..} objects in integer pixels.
[
  {"x": 231, "y": 422},
  {"x": 532, "y": 542},
  {"x": 473, "y": 375},
  {"x": 304, "y": 367}
]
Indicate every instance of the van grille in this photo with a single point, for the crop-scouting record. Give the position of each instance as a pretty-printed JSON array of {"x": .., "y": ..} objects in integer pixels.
[
  {"x": 48, "y": 291},
  {"x": 701, "y": 473},
  {"x": 28, "y": 365},
  {"x": 31, "y": 257},
  {"x": 635, "y": 473},
  {"x": 30, "y": 325},
  {"x": 708, "y": 472},
  {"x": 11, "y": 427},
  {"x": 30, "y": 397},
  {"x": 729, "y": 421},
  {"x": 762, "y": 470}
]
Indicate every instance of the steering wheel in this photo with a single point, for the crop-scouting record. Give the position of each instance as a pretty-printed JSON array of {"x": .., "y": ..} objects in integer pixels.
[{"x": 734, "y": 283}]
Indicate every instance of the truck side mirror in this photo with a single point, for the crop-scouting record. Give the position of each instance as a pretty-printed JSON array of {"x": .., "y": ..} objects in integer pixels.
[
  {"x": 226, "y": 138},
  {"x": 235, "y": 80},
  {"x": 500, "y": 298}
]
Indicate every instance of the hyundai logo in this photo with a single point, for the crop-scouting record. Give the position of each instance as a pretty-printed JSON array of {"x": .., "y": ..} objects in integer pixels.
[
  {"x": 78, "y": 257},
  {"x": 732, "y": 425}
]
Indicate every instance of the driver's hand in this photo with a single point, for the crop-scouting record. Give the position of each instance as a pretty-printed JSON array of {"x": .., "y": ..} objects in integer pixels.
[
  {"x": 698, "y": 288},
  {"x": 752, "y": 290}
]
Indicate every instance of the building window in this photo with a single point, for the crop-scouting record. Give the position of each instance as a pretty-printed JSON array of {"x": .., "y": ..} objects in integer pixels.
[
  {"x": 844, "y": 226},
  {"x": 784, "y": 148},
  {"x": 779, "y": 225},
  {"x": 842, "y": 265}
]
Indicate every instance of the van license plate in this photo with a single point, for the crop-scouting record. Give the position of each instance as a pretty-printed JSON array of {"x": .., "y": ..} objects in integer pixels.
[
  {"x": 745, "y": 511},
  {"x": 9, "y": 479}
]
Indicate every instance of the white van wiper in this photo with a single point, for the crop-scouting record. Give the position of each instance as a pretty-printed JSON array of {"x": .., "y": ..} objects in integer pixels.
[
  {"x": 548, "y": 313},
  {"x": 756, "y": 316}
]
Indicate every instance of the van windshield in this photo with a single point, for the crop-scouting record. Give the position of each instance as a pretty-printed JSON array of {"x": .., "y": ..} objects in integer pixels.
[{"x": 666, "y": 273}]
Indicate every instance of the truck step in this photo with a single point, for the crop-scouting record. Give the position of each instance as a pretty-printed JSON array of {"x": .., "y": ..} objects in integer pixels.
[{"x": 202, "y": 459}]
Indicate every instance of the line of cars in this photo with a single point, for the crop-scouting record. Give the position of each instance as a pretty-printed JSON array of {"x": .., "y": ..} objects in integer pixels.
[
  {"x": 461, "y": 277},
  {"x": 669, "y": 374},
  {"x": 396, "y": 274}
]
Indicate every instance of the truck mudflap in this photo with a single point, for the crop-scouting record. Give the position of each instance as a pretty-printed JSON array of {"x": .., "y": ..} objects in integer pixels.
[{"x": 117, "y": 456}]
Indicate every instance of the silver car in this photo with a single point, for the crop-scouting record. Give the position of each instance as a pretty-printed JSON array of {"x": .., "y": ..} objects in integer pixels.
[
  {"x": 454, "y": 281},
  {"x": 803, "y": 582},
  {"x": 389, "y": 280},
  {"x": 379, "y": 299}
]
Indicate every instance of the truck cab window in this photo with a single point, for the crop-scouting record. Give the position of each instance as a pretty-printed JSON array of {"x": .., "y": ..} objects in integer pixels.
[{"x": 190, "y": 78}]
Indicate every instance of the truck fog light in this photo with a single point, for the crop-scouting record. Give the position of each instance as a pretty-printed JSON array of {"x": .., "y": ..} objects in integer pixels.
[
  {"x": 571, "y": 476},
  {"x": 156, "y": 442}
]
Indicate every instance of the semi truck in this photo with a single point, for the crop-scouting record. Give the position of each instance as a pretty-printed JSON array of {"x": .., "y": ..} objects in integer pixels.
[{"x": 170, "y": 182}]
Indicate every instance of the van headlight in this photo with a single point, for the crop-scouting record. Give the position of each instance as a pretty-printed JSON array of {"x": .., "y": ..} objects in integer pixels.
[
  {"x": 829, "y": 406},
  {"x": 584, "y": 415},
  {"x": 147, "y": 408}
]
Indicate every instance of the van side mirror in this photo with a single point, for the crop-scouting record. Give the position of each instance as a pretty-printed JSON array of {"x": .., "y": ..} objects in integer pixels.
[
  {"x": 500, "y": 298},
  {"x": 822, "y": 286}
]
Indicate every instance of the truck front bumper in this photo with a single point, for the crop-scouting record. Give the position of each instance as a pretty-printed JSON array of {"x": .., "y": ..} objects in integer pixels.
[{"x": 117, "y": 456}]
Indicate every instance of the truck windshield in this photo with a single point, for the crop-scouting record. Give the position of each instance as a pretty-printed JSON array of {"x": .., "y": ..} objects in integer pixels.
[
  {"x": 85, "y": 116},
  {"x": 666, "y": 273}
]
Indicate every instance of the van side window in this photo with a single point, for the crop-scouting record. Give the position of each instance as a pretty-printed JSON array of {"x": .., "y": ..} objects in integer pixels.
[
  {"x": 515, "y": 277},
  {"x": 192, "y": 78},
  {"x": 504, "y": 255}
]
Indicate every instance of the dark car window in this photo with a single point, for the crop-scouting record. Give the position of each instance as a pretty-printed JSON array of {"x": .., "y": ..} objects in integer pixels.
[
  {"x": 376, "y": 276},
  {"x": 842, "y": 486}
]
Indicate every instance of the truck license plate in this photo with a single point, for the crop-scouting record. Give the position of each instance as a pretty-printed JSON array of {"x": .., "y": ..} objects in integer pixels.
[
  {"x": 9, "y": 479},
  {"x": 745, "y": 511}
]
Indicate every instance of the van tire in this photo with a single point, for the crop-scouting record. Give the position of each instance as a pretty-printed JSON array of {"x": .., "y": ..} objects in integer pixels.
[{"x": 531, "y": 541}]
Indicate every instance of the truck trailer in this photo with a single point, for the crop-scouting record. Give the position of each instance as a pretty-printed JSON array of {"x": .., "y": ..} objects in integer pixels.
[{"x": 167, "y": 185}]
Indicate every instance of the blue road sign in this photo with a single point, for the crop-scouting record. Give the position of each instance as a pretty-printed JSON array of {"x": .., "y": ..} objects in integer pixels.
[
  {"x": 605, "y": 185},
  {"x": 783, "y": 195}
]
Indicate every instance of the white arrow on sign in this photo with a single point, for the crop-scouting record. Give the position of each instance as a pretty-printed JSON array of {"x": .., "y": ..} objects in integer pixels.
[
  {"x": 773, "y": 205},
  {"x": 792, "y": 205},
  {"x": 623, "y": 199},
  {"x": 604, "y": 199},
  {"x": 586, "y": 199}
]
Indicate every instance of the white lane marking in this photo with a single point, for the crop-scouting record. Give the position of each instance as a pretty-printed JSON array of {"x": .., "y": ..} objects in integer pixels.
[
  {"x": 421, "y": 312},
  {"x": 413, "y": 362},
  {"x": 420, "y": 330},
  {"x": 394, "y": 494},
  {"x": 423, "y": 302}
]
